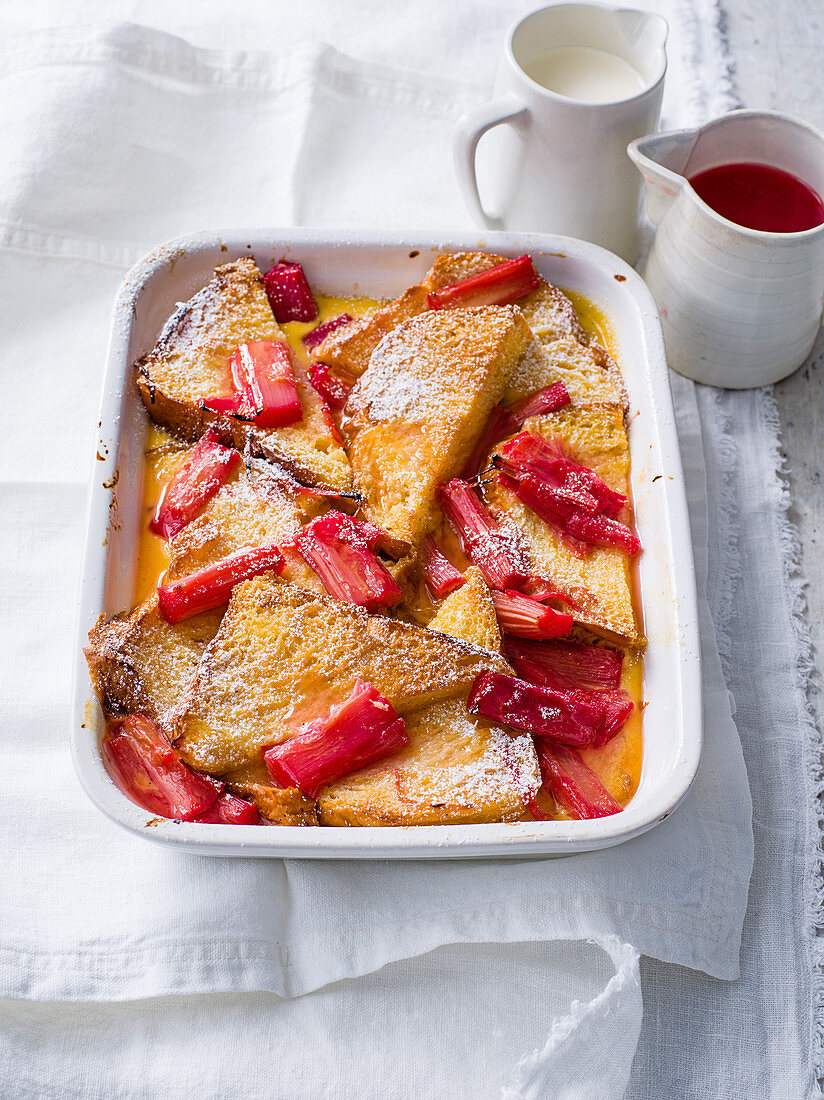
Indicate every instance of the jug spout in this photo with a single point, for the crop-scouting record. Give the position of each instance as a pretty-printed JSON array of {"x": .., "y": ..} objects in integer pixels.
[
  {"x": 661, "y": 159},
  {"x": 644, "y": 39}
]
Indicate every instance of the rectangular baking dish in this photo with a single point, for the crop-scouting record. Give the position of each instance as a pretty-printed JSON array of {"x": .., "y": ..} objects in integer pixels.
[{"x": 383, "y": 265}]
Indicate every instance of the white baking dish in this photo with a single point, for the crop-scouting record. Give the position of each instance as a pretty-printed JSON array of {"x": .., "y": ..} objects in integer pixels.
[{"x": 381, "y": 265}]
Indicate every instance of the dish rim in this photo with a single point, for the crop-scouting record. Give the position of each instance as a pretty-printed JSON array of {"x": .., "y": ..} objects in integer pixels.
[{"x": 405, "y": 842}]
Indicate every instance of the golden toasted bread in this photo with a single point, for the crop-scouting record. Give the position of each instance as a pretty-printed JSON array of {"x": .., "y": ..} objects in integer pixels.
[
  {"x": 190, "y": 362},
  {"x": 348, "y": 350},
  {"x": 457, "y": 768},
  {"x": 547, "y": 310},
  {"x": 253, "y": 508},
  {"x": 468, "y": 613},
  {"x": 590, "y": 374},
  {"x": 284, "y": 656},
  {"x": 140, "y": 663},
  {"x": 416, "y": 414},
  {"x": 600, "y": 581}
]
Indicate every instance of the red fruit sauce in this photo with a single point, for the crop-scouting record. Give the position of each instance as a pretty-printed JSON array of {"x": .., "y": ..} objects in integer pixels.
[{"x": 759, "y": 196}]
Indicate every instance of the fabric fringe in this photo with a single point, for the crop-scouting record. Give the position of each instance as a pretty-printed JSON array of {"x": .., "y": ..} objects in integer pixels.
[
  {"x": 813, "y": 749},
  {"x": 726, "y": 572}
]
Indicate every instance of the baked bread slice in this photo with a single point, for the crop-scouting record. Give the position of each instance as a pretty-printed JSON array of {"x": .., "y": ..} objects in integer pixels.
[
  {"x": 284, "y": 656},
  {"x": 589, "y": 373},
  {"x": 601, "y": 580},
  {"x": 139, "y": 663},
  {"x": 190, "y": 362},
  {"x": 348, "y": 350},
  {"x": 457, "y": 768},
  {"x": 253, "y": 508},
  {"x": 415, "y": 415},
  {"x": 468, "y": 613},
  {"x": 546, "y": 309}
]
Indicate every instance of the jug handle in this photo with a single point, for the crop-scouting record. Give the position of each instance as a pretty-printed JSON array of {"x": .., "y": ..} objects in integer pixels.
[{"x": 469, "y": 131}]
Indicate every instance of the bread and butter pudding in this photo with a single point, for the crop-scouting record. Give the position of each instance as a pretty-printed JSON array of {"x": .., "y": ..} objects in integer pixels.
[{"x": 386, "y": 565}]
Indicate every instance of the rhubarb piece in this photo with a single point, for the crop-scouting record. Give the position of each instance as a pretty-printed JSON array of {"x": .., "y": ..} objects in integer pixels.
[
  {"x": 567, "y": 665},
  {"x": 539, "y": 588},
  {"x": 506, "y": 421},
  {"x": 573, "y": 718},
  {"x": 527, "y": 618},
  {"x": 262, "y": 370},
  {"x": 229, "y": 404},
  {"x": 548, "y": 461},
  {"x": 332, "y": 389},
  {"x": 358, "y": 732},
  {"x": 497, "y": 286},
  {"x": 340, "y": 550},
  {"x": 319, "y": 334},
  {"x": 230, "y": 810},
  {"x": 196, "y": 482},
  {"x": 499, "y": 425},
  {"x": 440, "y": 574},
  {"x": 549, "y": 399},
  {"x": 573, "y": 785},
  {"x": 289, "y": 294},
  {"x": 481, "y": 537},
  {"x": 617, "y": 707},
  {"x": 211, "y": 587},
  {"x": 148, "y": 770},
  {"x": 579, "y": 529}
]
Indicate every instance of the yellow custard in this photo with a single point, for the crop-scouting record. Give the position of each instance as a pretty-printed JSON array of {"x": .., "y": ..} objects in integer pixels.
[{"x": 618, "y": 764}]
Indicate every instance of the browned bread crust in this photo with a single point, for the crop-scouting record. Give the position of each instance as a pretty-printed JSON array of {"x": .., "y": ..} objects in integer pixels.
[
  {"x": 189, "y": 363},
  {"x": 415, "y": 415},
  {"x": 140, "y": 663}
]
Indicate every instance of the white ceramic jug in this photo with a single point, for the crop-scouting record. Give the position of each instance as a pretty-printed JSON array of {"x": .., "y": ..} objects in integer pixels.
[
  {"x": 739, "y": 307},
  {"x": 555, "y": 164}
]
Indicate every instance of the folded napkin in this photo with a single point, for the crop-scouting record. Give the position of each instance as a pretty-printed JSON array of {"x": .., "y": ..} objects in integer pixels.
[{"x": 166, "y": 138}]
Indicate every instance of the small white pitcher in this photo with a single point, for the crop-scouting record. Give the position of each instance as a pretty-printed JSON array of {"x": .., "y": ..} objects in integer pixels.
[
  {"x": 739, "y": 307},
  {"x": 554, "y": 164}
]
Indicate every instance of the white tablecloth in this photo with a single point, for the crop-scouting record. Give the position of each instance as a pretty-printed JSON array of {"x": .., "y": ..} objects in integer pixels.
[{"x": 286, "y": 979}]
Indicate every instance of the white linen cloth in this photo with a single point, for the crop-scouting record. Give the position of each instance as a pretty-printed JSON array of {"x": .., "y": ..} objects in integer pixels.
[{"x": 116, "y": 140}]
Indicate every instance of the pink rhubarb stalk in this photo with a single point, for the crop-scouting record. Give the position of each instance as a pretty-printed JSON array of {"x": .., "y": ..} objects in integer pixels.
[
  {"x": 580, "y": 529},
  {"x": 289, "y": 294},
  {"x": 506, "y": 421},
  {"x": 212, "y": 586},
  {"x": 498, "y": 285},
  {"x": 319, "y": 334},
  {"x": 525, "y": 617},
  {"x": 262, "y": 370},
  {"x": 481, "y": 537},
  {"x": 573, "y": 785},
  {"x": 358, "y": 732},
  {"x": 194, "y": 484},
  {"x": 340, "y": 550},
  {"x": 577, "y": 718},
  {"x": 148, "y": 770},
  {"x": 567, "y": 665},
  {"x": 332, "y": 389},
  {"x": 440, "y": 574},
  {"x": 231, "y": 810},
  {"x": 548, "y": 461}
]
